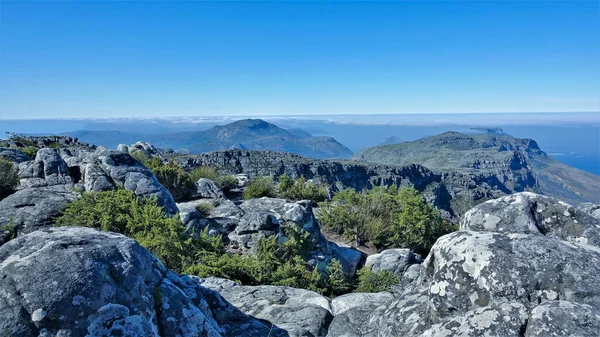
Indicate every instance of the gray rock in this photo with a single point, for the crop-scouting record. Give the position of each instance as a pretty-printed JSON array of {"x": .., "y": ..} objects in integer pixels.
[
  {"x": 123, "y": 148},
  {"x": 48, "y": 169},
  {"x": 531, "y": 213},
  {"x": 106, "y": 169},
  {"x": 297, "y": 311},
  {"x": 206, "y": 188},
  {"x": 106, "y": 285},
  {"x": 396, "y": 260},
  {"x": 34, "y": 208},
  {"x": 343, "y": 303},
  {"x": 353, "y": 314},
  {"x": 563, "y": 318},
  {"x": 507, "y": 319},
  {"x": 13, "y": 155},
  {"x": 148, "y": 149}
]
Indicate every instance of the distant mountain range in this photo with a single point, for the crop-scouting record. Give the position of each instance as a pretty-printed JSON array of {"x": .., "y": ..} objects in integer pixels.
[
  {"x": 247, "y": 134},
  {"x": 517, "y": 163}
]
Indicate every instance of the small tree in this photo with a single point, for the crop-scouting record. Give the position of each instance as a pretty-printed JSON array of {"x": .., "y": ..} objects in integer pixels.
[
  {"x": 337, "y": 281},
  {"x": 9, "y": 178}
]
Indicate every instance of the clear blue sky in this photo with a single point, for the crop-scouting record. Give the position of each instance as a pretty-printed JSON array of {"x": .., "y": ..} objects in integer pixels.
[{"x": 136, "y": 58}]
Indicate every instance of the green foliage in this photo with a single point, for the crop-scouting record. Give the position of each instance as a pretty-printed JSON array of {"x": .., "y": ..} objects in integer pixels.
[
  {"x": 142, "y": 219},
  {"x": 260, "y": 187},
  {"x": 372, "y": 282},
  {"x": 205, "y": 208},
  {"x": 385, "y": 217},
  {"x": 9, "y": 177},
  {"x": 11, "y": 228},
  {"x": 31, "y": 151},
  {"x": 274, "y": 263},
  {"x": 176, "y": 180},
  {"x": 300, "y": 189},
  {"x": 153, "y": 163},
  {"x": 337, "y": 282},
  {"x": 418, "y": 225},
  {"x": 225, "y": 181}
]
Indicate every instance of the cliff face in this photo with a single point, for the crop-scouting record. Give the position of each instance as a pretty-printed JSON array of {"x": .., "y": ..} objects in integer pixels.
[{"x": 451, "y": 192}]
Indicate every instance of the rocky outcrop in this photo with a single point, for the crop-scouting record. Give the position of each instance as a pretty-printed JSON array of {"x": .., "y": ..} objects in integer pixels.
[
  {"x": 206, "y": 188},
  {"x": 499, "y": 275},
  {"x": 50, "y": 181},
  {"x": 530, "y": 213},
  {"x": 81, "y": 282},
  {"x": 244, "y": 224},
  {"x": 451, "y": 192},
  {"x": 13, "y": 155}
]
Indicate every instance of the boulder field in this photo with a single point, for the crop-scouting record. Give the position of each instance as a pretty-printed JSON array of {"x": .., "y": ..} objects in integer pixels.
[{"x": 522, "y": 265}]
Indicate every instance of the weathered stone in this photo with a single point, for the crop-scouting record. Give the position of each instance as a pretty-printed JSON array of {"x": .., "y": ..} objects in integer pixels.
[
  {"x": 297, "y": 311},
  {"x": 33, "y": 208},
  {"x": 73, "y": 281},
  {"x": 206, "y": 188},
  {"x": 13, "y": 155},
  {"x": 530, "y": 213},
  {"x": 396, "y": 260},
  {"x": 563, "y": 318}
]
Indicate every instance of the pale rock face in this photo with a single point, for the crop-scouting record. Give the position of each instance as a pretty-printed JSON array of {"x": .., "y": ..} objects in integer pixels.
[
  {"x": 395, "y": 260},
  {"x": 531, "y": 213},
  {"x": 106, "y": 285}
]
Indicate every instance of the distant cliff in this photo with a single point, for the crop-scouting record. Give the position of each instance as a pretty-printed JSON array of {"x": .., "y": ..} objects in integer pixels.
[{"x": 452, "y": 192}]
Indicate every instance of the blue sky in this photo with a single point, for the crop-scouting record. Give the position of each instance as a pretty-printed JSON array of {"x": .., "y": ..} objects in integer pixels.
[{"x": 136, "y": 58}]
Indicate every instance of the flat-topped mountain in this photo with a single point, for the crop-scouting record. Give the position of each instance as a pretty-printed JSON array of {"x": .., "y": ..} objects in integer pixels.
[
  {"x": 250, "y": 134},
  {"x": 517, "y": 159}
]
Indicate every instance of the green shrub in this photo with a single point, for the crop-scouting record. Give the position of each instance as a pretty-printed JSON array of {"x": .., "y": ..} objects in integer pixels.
[
  {"x": 153, "y": 163},
  {"x": 337, "y": 281},
  {"x": 384, "y": 217},
  {"x": 373, "y": 282},
  {"x": 9, "y": 178},
  {"x": 205, "y": 208},
  {"x": 260, "y": 187},
  {"x": 299, "y": 189},
  {"x": 30, "y": 151},
  {"x": 10, "y": 228},
  {"x": 225, "y": 181},
  {"x": 176, "y": 180},
  {"x": 142, "y": 219}
]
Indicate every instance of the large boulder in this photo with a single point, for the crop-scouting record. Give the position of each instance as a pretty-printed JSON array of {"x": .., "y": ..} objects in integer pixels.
[
  {"x": 107, "y": 169},
  {"x": 30, "y": 209},
  {"x": 531, "y": 213},
  {"x": 14, "y": 155},
  {"x": 75, "y": 282},
  {"x": 206, "y": 188},
  {"x": 395, "y": 260},
  {"x": 505, "y": 279},
  {"x": 48, "y": 169},
  {"x": 299, "y": 312}
]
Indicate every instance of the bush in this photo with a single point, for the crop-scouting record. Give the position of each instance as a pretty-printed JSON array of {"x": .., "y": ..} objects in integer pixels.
[
  {"x": 9, "y": 178},
  {"x": 260, "y": 187},
  {"x": 225, "y": 181},
  {"x": 205, "y": 208},
  {"x": 373, "y": 282},
  {"x": 299, "y": 189},
  {"x": 153, "y": 163},
  {"x": 385, "y": 217},
  {"x": 337, "y": 282},
  {"x": 31, "y": 151},
  {"x": 176, "y": 180},
  {"x": 142, "y": 219}
]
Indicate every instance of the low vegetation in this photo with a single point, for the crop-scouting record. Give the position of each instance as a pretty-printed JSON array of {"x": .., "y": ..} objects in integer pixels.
[
  {"x": 205, "y": 208},
  {"x": 373, "y": 282},
  {"x": 300, "y": 189},
  {"x": 385, "y": 217},
  {"x": 9, "y": 178},
  {"x": 142, "y": 219},
  {"x": 225, "y": 181},
  {"x": 260, "y": 187},
  {"x": 180, "y": 183}
]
